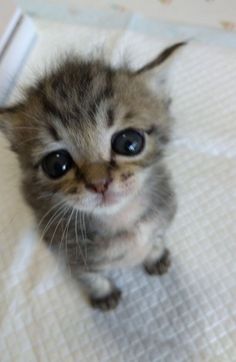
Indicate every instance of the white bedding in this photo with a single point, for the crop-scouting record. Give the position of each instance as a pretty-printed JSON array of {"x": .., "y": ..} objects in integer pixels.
[{"x": 188, "y": 314}]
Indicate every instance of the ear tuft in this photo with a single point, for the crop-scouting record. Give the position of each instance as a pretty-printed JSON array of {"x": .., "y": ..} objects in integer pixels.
[
  {"x": 7, "y": 123},
  {"x": 161, "y": 58}
]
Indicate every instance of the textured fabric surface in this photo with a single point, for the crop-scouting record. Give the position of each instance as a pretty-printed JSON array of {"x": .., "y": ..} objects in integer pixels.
[{"x": 188, "y": 314}]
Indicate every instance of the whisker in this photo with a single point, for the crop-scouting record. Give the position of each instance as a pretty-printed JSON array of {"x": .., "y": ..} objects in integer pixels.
[
  {"x": 85, "y": 235},
  {"x": 52, "y": 208},
  {"x": 63, "y": 234},
  {"x": 67, "y": 230},
  {"x": 77, "y": 240},
  {"x": 48, "y": 225},
  {"x": 62, "y": 214}
]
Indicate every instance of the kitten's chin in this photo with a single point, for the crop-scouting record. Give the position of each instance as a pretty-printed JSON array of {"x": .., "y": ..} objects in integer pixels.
[
  {"x": 111, "y": 198},
  {"x": 109, "y": 202}
]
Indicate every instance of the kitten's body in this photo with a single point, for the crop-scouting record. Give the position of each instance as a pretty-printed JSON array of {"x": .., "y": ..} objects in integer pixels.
[
  {"x": 120, "y": 239},
  {"x": 107, "y": 210}
]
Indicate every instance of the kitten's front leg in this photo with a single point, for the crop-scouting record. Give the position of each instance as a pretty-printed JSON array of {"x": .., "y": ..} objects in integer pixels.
[
  {"x": 158, "y": 261},
  {"x": 102, "y": 293}
]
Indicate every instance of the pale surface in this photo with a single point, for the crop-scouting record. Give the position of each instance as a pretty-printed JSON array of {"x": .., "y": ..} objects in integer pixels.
[
  {"x": 9, "y": 15},
  {"x": 187, "y": 315},
  {"x": 213, "y": 13}
]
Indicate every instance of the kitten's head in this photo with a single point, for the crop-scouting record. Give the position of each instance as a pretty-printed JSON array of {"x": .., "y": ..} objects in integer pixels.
[{"x": 87, "y": 135}]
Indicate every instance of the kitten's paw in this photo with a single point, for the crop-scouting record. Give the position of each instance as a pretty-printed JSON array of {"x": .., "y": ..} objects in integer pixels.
[
  {"x": 107, "y": 302},
  {"x": 161, "y": 266}
]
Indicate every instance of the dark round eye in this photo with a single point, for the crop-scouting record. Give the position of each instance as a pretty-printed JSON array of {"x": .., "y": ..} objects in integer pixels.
[
  {"x": 128, "y": 142},
  {"x": 57, "y": 164}
]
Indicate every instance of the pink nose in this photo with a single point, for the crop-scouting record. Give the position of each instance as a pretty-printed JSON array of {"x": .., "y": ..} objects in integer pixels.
[{"x": 100, "y": 186}]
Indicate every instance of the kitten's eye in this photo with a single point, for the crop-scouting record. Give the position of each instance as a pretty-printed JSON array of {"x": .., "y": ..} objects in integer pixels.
[
  {"x": 128, "y": 142},
  {"x": 57, "y": 164}
]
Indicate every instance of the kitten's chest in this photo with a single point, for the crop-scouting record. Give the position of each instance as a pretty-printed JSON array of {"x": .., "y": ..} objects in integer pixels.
[
  {"x": 127, "y": 218},
  {"x": 129, "y": 237},
  {"x": 132, "y": 248}
]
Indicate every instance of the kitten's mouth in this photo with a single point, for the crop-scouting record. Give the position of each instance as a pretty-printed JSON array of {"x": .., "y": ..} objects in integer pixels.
[{"x": 110, "y": 198}]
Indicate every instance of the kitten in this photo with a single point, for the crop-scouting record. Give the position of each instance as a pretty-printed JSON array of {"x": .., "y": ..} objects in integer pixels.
[{"x": 90, "y": 142}]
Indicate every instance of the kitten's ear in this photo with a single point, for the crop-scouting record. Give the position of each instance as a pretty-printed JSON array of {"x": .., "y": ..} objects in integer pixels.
[
  {"x": 162, "y": 59},
  {"x": 8, "y": 121}
]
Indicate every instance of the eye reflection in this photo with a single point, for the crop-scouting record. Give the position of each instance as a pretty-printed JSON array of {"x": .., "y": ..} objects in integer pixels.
[
  {"x": 128, "y": 142},
  {"x": 56, "y": 164}
]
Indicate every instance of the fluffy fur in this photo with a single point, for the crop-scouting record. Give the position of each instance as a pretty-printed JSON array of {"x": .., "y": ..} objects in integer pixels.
[{"x": 78, "y": 107}]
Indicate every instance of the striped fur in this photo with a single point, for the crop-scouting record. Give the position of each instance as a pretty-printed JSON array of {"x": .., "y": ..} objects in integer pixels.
[{"x": 78, "y": 106}]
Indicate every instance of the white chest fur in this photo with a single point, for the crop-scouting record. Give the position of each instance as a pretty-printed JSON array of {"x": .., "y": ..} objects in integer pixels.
[
  {"x": 131, "y": 248},
  {"x": 127, "y": 217}
]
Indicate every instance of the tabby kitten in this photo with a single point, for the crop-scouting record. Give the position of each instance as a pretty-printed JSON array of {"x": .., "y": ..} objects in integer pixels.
[{"x": 90, "y": 142}]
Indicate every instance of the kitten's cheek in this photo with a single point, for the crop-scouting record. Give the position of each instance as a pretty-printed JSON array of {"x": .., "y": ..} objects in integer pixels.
[{"x": 130, "y": 186}]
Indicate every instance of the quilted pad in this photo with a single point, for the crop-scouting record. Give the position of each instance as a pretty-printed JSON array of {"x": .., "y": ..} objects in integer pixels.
[{"x": 188, "y": 314}]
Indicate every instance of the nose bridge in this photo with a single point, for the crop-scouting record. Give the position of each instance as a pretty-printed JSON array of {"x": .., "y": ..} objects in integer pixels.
[{"x": 95, "y": 172}]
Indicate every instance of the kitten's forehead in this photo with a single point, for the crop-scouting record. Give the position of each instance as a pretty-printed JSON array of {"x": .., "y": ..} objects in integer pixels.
[
  {"x": 84, "y": 103},
  {"x": 76, "y": 90}
]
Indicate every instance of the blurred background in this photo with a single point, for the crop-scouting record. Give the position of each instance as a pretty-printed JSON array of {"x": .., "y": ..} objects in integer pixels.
[
  {"x": 216, "y": 13},
  {"x": 199, "y": 20}
]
